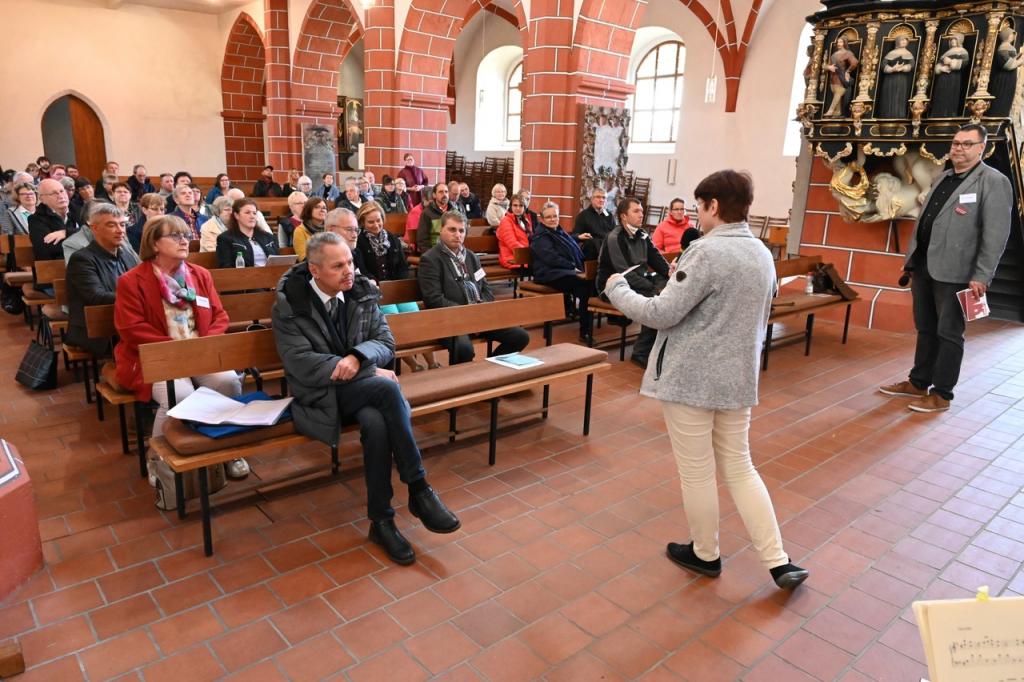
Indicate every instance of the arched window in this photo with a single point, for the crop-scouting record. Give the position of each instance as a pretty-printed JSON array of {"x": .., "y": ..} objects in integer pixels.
[
  {"x": 659, "y": 94},
  {"x": 513, "y": 104}
]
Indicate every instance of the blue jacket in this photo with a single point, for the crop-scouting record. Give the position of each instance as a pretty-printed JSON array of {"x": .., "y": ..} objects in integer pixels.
[{"x": 555, "y": 254}]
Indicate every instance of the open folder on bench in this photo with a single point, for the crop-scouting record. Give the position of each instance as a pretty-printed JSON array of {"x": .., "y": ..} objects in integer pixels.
[{"x": 206, "y": 406}]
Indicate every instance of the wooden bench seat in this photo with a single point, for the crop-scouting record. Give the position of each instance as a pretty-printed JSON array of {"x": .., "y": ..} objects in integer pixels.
[{"x": 429, "y": 392}]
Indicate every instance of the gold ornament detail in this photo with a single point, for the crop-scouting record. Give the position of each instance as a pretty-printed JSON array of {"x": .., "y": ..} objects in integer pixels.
[
  {"x": 938, "y": 160},
  {"x": 895, "y": 151},
  {"x": 902, "y": 31},
  {"x": 964, "y": 26},
  {"x": 845, "y": 151}
]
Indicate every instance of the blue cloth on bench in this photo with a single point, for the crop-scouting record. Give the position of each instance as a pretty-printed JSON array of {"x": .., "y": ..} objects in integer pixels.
[{"x": 222, "y": 430}]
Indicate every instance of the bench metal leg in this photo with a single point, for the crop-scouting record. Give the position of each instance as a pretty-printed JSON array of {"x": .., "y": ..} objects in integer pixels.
[
  {"x": 622, "y": 344},
  {"x": 846, "y": 322},
  {"x": 586, "y": 404},
  {"x": 335, "y": 461},
  {"x": 99, "y": 404},
  {"x": 492, "y": 444},
  {"x": 140, "y": 438},
  {"x": 809, "y": 333},
  {"x": 179, "y": 494},
  {"x": 767, "y": 348},
  {"x": 547, "y": 395},
  {"x": 547, "y": 333},
  {"x": 204, "y": 499},
  {"x": 121, "y": 417},
  {"x": 590, "y": 339},
  {"x": 451, "y": 424}
]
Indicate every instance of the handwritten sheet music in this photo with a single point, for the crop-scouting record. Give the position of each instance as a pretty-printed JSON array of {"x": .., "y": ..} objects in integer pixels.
[{"x": 971, "y": 640}]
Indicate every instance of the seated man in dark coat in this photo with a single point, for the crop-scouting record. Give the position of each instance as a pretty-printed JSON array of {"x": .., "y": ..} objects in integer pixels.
[
  {"x": 449, "y": 275},
  {"x": 335, "y": 343},
  {"x": 626, "y": 246},
  {"x": 93, "y": 271},
  {"x": 593, "y": 224},
  {"x": 52, "y": 222}
]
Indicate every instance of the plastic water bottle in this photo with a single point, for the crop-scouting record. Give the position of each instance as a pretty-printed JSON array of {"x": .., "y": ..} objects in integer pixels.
[
  {"x": 239, "y": 260},
  {"x": 809, "y": 286}
]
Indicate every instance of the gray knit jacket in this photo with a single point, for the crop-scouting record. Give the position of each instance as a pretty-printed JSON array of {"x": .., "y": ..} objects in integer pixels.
[{"x": 711, "y": 320}]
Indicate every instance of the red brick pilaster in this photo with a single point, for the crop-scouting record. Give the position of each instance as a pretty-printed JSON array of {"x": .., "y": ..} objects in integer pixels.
[
  {"x": 282, "y": 137},
  {"x": 383, "y": 156},
  {"x": 242, "y": 89}
]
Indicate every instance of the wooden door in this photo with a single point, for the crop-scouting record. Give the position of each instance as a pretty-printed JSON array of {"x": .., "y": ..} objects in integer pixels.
[{"x": 90, "y": 146}]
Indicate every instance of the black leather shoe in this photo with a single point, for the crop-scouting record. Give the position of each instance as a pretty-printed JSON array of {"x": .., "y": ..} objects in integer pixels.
[
  {"x": 428, "y": 508},
  {"x": 385, "y": 534},
  {"x": 683, "y": 555}
]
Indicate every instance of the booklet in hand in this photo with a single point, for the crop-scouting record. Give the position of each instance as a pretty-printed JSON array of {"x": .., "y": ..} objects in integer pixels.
[
  {"x": 515, "y": 361},
  {"x": 206, "y": 406},
  {"x": 974, "y": 308}
]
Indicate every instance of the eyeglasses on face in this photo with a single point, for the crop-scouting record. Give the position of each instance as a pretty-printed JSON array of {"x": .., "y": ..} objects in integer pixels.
[
  {"x": 177, "y": 236},
  {"x": 956, "y": 144}
]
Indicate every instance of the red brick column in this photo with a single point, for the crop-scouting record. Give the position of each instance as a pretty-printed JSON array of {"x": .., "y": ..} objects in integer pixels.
[
  {"x": 242, "y": 89},
  {"x": 382, "y": 155},
  {"x": 282, "y": 137},
  {"x": 863, "y": 253}
]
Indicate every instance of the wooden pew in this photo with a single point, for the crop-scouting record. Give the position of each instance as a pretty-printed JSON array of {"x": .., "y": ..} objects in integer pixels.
[
  {"x": 272, "y": 207},
  {"x": 204, "y": 259},
  {"x": 462, "y": 385},
  {"x": 394, "y": 223}
]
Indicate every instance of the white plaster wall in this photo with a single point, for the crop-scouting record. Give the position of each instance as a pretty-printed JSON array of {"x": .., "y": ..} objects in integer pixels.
[
  {"x": 751, "y": 138},
  {"x": 484, "y": 32},
  {"x": 159, "y": 98}
]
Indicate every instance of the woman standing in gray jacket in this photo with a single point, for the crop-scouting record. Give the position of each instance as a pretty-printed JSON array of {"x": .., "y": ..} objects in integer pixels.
[{"x": 711, "y": 320}]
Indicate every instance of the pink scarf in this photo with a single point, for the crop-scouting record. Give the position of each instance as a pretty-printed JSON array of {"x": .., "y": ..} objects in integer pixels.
[{"x": 178, "y": 289}]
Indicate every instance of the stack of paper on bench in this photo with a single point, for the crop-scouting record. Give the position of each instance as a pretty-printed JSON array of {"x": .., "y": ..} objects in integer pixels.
[
  {"x": 515, "y": 361},
  {"x": 206, "y": 406}
]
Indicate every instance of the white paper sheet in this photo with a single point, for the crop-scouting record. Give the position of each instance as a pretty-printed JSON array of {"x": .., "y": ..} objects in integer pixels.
[
  {"x": 206, "y": 406},
  {"x": 971, "y": 640}
]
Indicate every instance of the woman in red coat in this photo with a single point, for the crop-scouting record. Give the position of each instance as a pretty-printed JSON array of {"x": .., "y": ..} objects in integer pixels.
[
  {"x": 513, "y": 233},
  {"x": 166, "y": 298}
]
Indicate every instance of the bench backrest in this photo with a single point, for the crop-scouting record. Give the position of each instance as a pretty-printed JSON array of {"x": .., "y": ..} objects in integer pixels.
[
  {"x": 244, "y": 279},
  {"x": 99, "y": 319},
  {"x": 394, "y": 223},
  {"x": 428, "y": 325},
  {"x": 399, "y": 291},
  {"x": 60, "y": 291},
  {"x": 523, "y": 255},
  {"x": 49, "y": 270},
  {"x": 173, "y": 359},
  {"x": 24, "y": 256},
  {"x": 275, "y": 206},
  {"x": 482, "y": 244},
  {"x": 205, "y": 259},
  {"x": 792, "y": 267}
]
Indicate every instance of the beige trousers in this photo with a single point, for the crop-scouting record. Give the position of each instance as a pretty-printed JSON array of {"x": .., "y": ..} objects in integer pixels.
[
  {"x": 703, "y": 440},
  {"x": 835, "y": 109}
]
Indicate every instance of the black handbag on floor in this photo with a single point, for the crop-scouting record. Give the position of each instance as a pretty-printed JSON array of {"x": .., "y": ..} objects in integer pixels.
[{"x": 38, "y": 369}]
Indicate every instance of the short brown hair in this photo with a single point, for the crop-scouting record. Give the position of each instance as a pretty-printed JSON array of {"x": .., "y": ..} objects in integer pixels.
[
  {"x": 157, "y": 227},
  {"x": 239, "y": 204},
  {"x": 152, "y": 200},
  {"x": 622, "y": 208},
  {"x": 733, "y": 190}
]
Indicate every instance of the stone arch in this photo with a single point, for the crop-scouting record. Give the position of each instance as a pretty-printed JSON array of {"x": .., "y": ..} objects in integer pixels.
[
  {"x": 243, "y": 91},
  {"x": 329, "y": 30}
]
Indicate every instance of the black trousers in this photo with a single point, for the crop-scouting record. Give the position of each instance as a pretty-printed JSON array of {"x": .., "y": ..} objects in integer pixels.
[
  {"x": 386, "y": 434},
  {"x": 940, "y": 333},
  {"x": 579, "y": 289},
  {"x": 509, "y": 340}
]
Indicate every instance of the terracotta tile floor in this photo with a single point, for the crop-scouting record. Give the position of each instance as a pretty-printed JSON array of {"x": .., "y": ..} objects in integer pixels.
[{"x": 559, "y": 572}]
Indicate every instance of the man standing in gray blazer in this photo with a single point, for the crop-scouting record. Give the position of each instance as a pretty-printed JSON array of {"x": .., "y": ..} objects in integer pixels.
[{"x": 956, "y": 245}]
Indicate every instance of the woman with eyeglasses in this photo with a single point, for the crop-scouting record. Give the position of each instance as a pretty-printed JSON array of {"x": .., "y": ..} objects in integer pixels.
[
  {"x": 668, "y": 237},
  {"x": 151, "y": 205},
  {"x": 314, "y": 213},
  {"x": 166, "y": 298},
  {"x": 287, "y": 224},
  {"x": 216, "y": 225},
  {"x": 14, "y": 220},
  {"x": 220, "y": 188},
  {"x": 243, "y": 236}
]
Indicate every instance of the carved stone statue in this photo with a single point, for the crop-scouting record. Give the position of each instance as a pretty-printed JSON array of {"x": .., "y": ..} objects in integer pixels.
[
  {"x": 884, "y": 196},
  {"x": 897, "y": 79},
  {"x": 841, "y": 65},
  {"x": 949, "y": 73},
  {"x": 1002, "y": 83}
]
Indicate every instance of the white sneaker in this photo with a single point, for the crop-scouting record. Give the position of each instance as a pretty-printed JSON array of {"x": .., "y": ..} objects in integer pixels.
[{"x": 237, "y": 468}]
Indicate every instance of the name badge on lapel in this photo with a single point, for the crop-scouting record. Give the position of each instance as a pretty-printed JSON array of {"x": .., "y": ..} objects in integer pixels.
[
  {"x": 971, "y": 198},
  {"x": 202, "y": 302},
  {"x": 960, "y": 210}
]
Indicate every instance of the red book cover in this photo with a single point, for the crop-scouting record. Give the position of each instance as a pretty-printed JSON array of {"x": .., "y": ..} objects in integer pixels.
[{"x": 974, "y": 307}]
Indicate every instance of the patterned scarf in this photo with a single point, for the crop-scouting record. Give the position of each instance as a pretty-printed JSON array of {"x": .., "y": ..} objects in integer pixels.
[
  {"x": 178, "y": 289},
  {"x": 378, "y": 242},
  {"x": 458, "y": 261}
]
